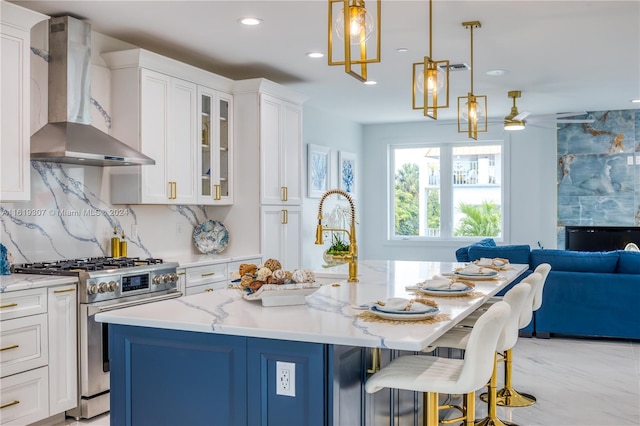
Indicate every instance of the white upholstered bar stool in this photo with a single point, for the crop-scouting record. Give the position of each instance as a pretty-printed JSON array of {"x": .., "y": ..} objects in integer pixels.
[
  {"x": 508, "y": 396},
  {"x": 433, "y": 375},
  {"x": 458, "y": 338}
]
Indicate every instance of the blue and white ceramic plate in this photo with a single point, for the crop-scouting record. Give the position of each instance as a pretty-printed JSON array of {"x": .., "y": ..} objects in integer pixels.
[
  {"x": 211, "y": 237},
  {"x": 405, "y": 316}
]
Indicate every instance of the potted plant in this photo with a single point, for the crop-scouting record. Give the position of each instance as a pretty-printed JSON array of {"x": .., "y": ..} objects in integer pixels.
[{"x": 338, "y": 247}]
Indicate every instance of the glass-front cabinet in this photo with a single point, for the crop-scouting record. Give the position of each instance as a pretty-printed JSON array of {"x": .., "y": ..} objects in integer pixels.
[{"x": 216, "y": 147}]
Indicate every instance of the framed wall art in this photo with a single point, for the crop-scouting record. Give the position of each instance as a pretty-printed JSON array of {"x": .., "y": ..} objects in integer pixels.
[
  {"x": 318, "y": 173},
  {"x": 347, "y": 172}
]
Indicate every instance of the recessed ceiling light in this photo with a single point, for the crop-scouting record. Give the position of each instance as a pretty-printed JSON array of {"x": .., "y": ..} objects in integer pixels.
[
  {"x": 635, "y": 101},
  {"x": 370, "y": 82},
  {"x": 497, "y": 72},
  {"x": 315, "y": 54},
  {"x": 402, "y": 49},
  {"x": 250, "y": 21}
]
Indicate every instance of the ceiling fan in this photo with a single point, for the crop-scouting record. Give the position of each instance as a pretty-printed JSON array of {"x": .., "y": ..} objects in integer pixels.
[{"x": 517, "y": 120}]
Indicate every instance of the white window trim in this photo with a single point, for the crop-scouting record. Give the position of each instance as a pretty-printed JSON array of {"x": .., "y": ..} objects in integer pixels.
[{"x": 446, "y": 204}]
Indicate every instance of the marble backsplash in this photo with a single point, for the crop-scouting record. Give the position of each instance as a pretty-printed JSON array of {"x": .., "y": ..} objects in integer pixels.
[
  {"x": 599, "y": 171},
  {"x": 69, "y": 216}
]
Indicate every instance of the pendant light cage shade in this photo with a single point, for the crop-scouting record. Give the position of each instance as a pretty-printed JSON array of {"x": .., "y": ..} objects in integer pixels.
[
  {"x": 354, "y": 35},
  {"x": 472, "y": 109},
  {"x": 430, "y": 86},
  {"x": 472, "y": 115}
]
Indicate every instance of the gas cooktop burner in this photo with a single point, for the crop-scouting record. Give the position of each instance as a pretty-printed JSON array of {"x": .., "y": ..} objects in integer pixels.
[{"x": 83, "y": 264}]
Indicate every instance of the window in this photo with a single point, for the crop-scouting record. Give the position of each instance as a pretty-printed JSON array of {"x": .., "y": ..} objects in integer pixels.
[{"x": 447, "y": 191}]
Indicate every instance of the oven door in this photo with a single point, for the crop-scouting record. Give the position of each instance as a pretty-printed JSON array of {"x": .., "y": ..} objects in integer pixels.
[{"x": 94, "y": 342}]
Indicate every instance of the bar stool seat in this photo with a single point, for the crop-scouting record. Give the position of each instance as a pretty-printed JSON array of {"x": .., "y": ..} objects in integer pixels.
[{"x": 433, "y": 375}]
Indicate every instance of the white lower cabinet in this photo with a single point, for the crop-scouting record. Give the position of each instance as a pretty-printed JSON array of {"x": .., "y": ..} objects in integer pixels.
[
  {"x": 63, "y": 371},
  {"x": 206, "y": 278},
  {"x": 24, "y": 397},
  {"x": 280, "y": 234},
  {"x": 38, "y": 356}
]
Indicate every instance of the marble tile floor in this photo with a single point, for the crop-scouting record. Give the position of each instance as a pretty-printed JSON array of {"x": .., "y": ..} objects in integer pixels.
[{"x": 578, "y": 382}]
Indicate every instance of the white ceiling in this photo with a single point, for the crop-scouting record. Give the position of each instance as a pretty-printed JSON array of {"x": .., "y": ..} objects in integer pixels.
[{"x": 563, "y": 55}]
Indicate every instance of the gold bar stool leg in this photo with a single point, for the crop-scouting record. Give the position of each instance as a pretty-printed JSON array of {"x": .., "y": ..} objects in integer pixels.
[
  {"x": 492, "y": 416},
  {"x": 430, "y": 408},
  {"x": 508, "y": 396},
  {"x": 469, "y": 407}
]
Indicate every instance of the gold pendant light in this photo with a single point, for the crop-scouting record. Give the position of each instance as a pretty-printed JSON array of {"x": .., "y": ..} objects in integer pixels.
[
  {"x": 430, "y": 81},
  {"x": 472, "y": 109},
  {"x": 359, "y": 28}
]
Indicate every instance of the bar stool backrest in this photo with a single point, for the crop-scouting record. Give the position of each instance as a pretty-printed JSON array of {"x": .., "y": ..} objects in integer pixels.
[
  {"x": 481, "y": 347},
  {"x": 526, "y": 314},
  {"x": 517, "y": 298},
  {"x": 543, "y": 269}
]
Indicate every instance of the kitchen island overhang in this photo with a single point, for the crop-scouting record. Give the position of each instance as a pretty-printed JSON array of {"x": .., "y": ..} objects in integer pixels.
[{"x": 220, "y": 344}]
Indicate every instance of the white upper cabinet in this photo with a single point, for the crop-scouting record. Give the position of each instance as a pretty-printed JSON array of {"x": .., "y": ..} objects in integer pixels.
[
  {"x": 15, "y": 26},
  {"x": 168, "y": 111},
  {"x": 280, "y": 151},
  {"x": 215, "y": 156}
]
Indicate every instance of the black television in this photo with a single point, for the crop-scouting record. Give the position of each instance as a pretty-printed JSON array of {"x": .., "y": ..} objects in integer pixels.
[{"x": 600, "y": 238}]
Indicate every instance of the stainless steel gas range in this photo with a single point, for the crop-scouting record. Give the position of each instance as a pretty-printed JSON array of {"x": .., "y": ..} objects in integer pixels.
[{"x": 105, "y": 284}]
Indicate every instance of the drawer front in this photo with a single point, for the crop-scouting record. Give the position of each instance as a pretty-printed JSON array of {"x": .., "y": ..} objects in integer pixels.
[
  {"x": 205, "y": 288},
  {"x": 235, "y": 266},
  {"x": 24, "y": 397},
  {"x": 201, "y": 275},
  {"x": 23, "y": 344},
  {"x": 16, "y": 304}
]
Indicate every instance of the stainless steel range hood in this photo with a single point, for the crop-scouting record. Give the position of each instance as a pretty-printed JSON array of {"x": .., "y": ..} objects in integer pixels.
[{"x": 69, "y": 136}]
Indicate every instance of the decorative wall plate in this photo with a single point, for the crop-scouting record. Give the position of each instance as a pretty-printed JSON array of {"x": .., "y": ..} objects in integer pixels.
[{"x": 211, "y": 237}]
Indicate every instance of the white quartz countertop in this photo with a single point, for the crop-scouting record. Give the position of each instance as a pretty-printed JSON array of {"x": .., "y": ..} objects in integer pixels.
[
  {"x": 191, "y": 260},
  {"x": 328, "y": 317},
  {"x": 15, "y": 282}
]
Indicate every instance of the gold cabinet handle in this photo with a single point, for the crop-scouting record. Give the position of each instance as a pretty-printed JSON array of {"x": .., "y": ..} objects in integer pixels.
[
  {"x": 10, "y": 347},
  {"x": 285, "y": 193},
  {"x": 285, "y": 217},
  {"x": 170, "y": 190},
  {"x": 207, "y": 290},
  {"x": 375, "y": 360},
  {"x": 175, "y": 190},
  {"x": 10, "y": 305},
  {"x": 218, "y": 195},
  {"x": 69, "y": 290},
  {"x": 9, "y": 404},
  {"x": 208, "y": 274},
  {"x": 181, "y": 273}
]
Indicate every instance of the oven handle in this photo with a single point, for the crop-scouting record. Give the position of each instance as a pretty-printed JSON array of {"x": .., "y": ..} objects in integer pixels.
[{"x": 92, "y": 310}]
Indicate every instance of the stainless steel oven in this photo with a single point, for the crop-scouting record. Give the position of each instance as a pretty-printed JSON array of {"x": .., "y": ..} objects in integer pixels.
[{"x": 106, "y": 284}]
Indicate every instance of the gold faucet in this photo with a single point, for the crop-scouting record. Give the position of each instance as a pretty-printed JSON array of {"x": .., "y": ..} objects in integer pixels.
[{"x": 352, "y": 256}]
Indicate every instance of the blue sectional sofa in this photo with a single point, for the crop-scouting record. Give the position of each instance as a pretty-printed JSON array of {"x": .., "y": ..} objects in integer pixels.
[{"x": 593, "y": 294}]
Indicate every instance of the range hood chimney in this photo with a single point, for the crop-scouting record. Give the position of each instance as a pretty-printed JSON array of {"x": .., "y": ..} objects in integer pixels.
[{"x": 69, "y": 136}]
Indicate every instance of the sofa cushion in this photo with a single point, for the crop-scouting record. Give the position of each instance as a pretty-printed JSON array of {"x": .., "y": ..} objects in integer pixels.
[
  {"x": 628, "y": 262},
  {"x": 576, "y": 261},
  {"x": 462, "y": 254},
  {"x": 515, "y": 253}
]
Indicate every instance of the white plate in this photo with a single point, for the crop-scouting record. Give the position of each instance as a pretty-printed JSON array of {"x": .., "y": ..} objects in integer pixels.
[
  {"x": 484, "y": 276},
  {"x": 211, "y": 237},
  {"x": 411, "y": 312},
  {"x": 408, "y": 316},
  {"x": 446, "y": 292}
]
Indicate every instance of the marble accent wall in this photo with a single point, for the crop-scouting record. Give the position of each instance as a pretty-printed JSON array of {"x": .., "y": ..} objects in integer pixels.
[
  {"x": 69, "y": 216},
  {"x": 599, "y": 171}
]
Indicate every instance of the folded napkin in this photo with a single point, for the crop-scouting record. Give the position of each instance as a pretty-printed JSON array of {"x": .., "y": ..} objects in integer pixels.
[
  {"x": 398, "y": 304},
  {"x": 437, "y": 284},
  {"x": 485, "y": 261},
  {"x": 471, "y": 269}
]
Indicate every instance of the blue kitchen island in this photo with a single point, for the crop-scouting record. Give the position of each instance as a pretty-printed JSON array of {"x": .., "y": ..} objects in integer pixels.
[{"x": 212, "y": 358}]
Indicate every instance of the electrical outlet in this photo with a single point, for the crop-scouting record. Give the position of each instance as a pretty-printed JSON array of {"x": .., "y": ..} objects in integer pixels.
[
  {"x": 134, "y": 231},
  {"x": 285, "y": 378},
  {"x": 178, "y": 228}
]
